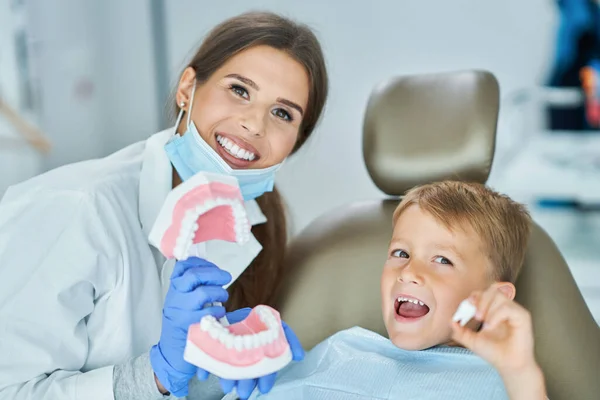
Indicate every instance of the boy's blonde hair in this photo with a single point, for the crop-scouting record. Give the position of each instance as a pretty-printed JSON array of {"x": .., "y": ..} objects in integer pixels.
[{"x": 502, "y": 224}]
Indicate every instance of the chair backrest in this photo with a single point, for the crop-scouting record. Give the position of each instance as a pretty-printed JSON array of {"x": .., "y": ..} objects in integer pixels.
[{"x": 422, "y": 129}]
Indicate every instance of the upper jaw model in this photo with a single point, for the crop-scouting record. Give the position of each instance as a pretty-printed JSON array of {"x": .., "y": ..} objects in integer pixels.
[{"x": 205, "y": 207}]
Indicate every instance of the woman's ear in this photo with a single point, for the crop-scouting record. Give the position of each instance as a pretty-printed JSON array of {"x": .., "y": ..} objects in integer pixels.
[
  {"x": 184, "y": 88},
  {"x": 507, "y": 288}
]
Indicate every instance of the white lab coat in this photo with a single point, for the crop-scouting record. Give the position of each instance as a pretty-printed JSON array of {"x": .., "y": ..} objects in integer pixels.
[{"x": 81, "y": 288}]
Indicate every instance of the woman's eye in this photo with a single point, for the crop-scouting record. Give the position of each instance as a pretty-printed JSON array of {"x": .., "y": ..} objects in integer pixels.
[
  {"x": 399, "y": 254},
  {"x": 442, "y": 260},
  {"x": 239, "y": 90},
  {"x": 281, "y": 113}
]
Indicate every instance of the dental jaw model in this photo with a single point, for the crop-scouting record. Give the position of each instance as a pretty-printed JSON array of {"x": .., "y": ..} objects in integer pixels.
[
  {"x": 205, "y": 207},
  {"x": 252, "y": 348},
  {"x": 209, "y": 201}
]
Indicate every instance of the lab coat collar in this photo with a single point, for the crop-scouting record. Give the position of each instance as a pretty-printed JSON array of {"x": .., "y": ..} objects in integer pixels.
[{"x": 156, "y": 181}]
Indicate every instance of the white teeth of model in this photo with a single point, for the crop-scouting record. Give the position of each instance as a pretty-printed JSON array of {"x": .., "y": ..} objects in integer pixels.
[
  {"x": 186, "y": 228},
  {"x": 262, "y": 338},
  {"x": 210, "y": 203},
  {"x": 189, "y": 215},
  {"x": 238, "y": 343},
  {"x": 273, "y": 334},
  {"x": 241, "y": 153},
  {"x": 187, "y": 223},
  {"x": 177, "y": 253},
  {"x": 180, "y": 244},
  {"x": 205, "y": 323},
  {"x": 248, "y": 342}
]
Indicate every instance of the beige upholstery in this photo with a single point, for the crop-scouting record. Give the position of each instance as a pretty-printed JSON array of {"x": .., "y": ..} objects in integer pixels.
[
  {"x": 421, "y": 129},
  {"x": 432, "y": 127}
]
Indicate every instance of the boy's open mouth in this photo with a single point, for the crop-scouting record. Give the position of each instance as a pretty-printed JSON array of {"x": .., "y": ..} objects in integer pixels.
[{"x": 409, "y": 307}]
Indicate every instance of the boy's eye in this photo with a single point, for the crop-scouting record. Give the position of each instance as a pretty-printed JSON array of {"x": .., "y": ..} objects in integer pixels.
[
  {"x": 442, "y": 260},
  {"x": 400, "y": 254},
  {"x": 281, "y": 113},
  {"x": 239, "y": 90}
]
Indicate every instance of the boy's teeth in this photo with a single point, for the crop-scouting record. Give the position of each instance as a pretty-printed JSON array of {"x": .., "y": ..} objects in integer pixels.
[
  {"x": 414, "y": 301},
  {"x": 234, "y": 149}
]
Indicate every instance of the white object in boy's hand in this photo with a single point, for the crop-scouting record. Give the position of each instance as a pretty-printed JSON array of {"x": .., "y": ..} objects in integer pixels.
[{"x": 465, "y": 312}]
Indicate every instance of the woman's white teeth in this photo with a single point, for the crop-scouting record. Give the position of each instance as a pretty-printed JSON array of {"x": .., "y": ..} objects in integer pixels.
[
  {"x": 234, "y": 149},
  {"x": 414, "y": 301}
]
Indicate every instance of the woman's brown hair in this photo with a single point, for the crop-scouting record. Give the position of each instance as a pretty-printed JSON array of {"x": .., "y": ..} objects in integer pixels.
[{"x": 257, "y": 283}]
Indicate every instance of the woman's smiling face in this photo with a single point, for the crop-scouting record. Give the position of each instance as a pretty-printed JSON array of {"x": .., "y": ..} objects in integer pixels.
[{"x": 251, "y": 109}]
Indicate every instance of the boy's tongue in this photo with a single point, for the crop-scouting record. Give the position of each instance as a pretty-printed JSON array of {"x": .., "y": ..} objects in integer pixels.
[{"x": 412, "y": 310}]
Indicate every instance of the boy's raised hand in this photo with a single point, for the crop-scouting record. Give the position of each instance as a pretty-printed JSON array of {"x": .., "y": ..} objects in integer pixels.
[
  {"x": 506, "y": 337},
  {"x": 505, "y": 340}
]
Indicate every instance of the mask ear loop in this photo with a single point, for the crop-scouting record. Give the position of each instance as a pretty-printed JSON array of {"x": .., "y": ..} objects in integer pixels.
[
  {"x": 191, "y": 103},
  {"x": 177, "y": 122},
  {"x": 224, "y": 321}
]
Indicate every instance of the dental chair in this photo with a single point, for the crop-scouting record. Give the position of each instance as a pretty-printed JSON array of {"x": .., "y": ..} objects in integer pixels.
[{"x": 420, "y": 129}]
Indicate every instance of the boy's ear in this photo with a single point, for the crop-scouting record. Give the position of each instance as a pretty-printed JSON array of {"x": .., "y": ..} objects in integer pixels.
[{"x": 507, "y": 288}]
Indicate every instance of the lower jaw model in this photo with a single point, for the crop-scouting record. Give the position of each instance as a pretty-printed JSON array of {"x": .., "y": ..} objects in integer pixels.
[
  {"x": 249, "y": 349},
  {"x": 207, "y": 207}
]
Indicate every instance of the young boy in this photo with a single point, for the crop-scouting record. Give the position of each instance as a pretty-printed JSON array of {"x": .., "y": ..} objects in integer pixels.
[{"x": 451, "y": 241}]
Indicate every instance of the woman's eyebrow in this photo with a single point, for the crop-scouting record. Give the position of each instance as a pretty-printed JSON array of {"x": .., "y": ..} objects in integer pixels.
[
  {"x": 253, "y": 85},
  {"x": 245, "y": 80},
  {"x": 291, "y": 104}
]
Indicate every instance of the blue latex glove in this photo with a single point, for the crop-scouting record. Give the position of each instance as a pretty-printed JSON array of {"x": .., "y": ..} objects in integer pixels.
[
  {"x": 245, "y": 387},
  {"x": 194, "y": 283}
]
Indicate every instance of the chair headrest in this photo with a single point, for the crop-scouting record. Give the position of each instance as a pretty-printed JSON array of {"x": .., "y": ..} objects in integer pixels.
[{"x": 426, "y": 128}]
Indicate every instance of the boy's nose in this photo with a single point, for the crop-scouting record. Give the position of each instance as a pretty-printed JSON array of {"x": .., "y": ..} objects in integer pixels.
[{"x": 410, "y": 274}]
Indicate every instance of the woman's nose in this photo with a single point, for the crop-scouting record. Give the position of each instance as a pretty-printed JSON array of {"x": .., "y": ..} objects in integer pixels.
[{"x": 253, "y": 123}]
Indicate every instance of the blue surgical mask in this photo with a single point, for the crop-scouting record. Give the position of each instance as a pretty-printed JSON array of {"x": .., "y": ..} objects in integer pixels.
[{"x": 190, "y": 154}]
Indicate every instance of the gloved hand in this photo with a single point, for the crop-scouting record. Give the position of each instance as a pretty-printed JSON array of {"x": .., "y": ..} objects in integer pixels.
[
  {"x": 194, "y": 283},
  {"x": 245, "y": 387}
]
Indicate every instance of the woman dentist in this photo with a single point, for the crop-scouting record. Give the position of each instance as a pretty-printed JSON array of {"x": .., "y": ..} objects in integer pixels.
[{"x": 88, "y": 308}]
